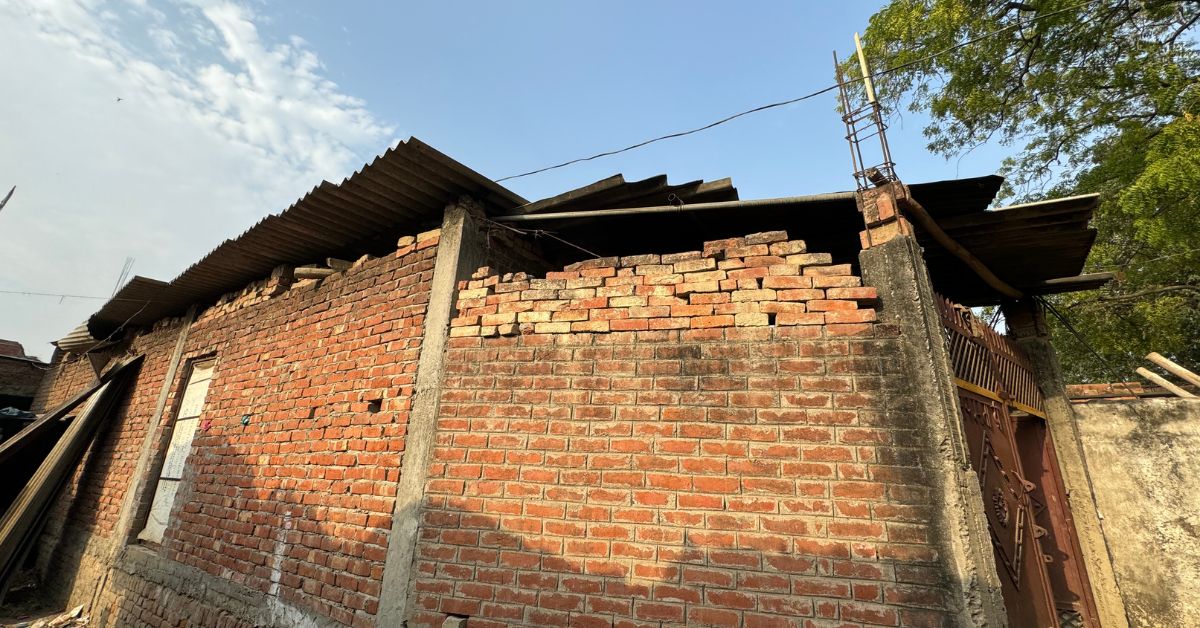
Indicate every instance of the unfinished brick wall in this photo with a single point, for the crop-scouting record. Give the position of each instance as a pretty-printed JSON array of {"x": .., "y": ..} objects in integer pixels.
[
  {"x": 763, "y": 279},
  {"x": 66, "y": 378},
  {"x": 635, "y": 442}
]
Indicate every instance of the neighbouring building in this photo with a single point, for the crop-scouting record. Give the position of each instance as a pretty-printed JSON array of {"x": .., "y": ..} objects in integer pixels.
[
  {"x": 415, "y": 396},
  {"x": 20, "y": 375}
]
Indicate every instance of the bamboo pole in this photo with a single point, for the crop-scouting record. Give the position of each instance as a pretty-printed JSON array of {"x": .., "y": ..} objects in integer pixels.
[
  {"x": 912, "y": 209},
  {"x": 1174, "y": 368},
  {"x": 1162, "y": 381}
]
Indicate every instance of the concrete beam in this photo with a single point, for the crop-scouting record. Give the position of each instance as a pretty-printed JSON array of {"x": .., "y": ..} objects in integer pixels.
[
  {"x": 457, "y": 257},
  {"x": 1027, "y": 324},
  {"x": 896, "y": 269}
]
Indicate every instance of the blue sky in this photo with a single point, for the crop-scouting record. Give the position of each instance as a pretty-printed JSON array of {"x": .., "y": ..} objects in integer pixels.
[{"x": 232, "y": 109}]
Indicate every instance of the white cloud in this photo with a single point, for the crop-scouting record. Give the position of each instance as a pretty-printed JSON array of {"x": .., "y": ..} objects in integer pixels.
[{"x": 217, "y": 127}]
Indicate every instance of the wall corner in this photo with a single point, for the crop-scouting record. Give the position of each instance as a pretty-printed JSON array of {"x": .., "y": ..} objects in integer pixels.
[{"x": 893, "y": 265}]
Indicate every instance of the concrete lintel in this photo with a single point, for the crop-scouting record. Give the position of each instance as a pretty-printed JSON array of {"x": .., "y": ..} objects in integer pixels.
[
  {"x": 897, "y": 270},
  {"x": 1027, "y": 324},
  {"x": 457, "y": 257}
]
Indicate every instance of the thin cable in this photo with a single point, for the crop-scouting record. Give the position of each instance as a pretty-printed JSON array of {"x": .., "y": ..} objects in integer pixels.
[
  {"x": 819, "y": 92},
  {"x": 541, "y": 232},
  {"x": 120, "y": 327},
  {"x": 1113, "y": 373},
  {"x": 73, "y": 296}
]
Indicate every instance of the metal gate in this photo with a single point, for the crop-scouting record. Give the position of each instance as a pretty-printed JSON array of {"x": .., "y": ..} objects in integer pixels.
[{"x": 1003, "y": 411}]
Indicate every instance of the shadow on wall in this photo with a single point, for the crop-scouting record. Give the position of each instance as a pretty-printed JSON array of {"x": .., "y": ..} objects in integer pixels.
[
  {"x": 759, "y": 479},
  {"x": 694, "y": 569}
]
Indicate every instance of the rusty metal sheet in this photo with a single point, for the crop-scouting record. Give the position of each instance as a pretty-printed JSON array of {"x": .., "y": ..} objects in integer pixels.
[{"x": 23, "y": 521}]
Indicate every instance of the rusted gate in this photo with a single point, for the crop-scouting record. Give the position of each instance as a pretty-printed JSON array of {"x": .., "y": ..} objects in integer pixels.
[{"x": 1036, "y": 547}]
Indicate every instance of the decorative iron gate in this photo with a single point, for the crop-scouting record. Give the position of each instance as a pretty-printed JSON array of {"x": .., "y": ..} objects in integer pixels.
[{"x": 1003, "y": 411}]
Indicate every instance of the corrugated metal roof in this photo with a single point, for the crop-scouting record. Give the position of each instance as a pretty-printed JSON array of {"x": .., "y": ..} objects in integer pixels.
[
  {"x": 615, "y": 193},
  {"x": 830, "y": 222},
  {"x": 405, "y": 189},
  {"x": 1023, "y": 244}
]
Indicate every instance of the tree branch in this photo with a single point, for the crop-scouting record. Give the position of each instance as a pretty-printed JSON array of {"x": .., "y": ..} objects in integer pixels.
[{"x": 1134, "y": 296}]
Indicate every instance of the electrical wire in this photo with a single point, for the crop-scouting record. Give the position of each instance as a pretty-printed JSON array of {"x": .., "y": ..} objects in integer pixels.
[
  {"x": 824, "y": 90},
  {"x": 119, "y": 328},
  {"x": 1112, "y": 372},
  {"x": 72, "y": 296},
  {"x": 541, "y": 232}
]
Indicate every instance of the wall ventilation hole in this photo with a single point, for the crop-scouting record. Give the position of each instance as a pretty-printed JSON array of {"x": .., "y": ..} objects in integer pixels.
[{"x": 374, "y": 405}]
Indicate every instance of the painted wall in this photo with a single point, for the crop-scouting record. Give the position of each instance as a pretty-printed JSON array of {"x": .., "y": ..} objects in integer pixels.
[{"x": 1144, "y": 460}]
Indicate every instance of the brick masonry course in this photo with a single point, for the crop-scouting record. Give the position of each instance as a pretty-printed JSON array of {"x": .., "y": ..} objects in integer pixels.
[
  {"x": 698, "y": 467},
  {"x": 756, "y": 281},
  {"x": 297, "y": 503},
  {"x": 716, "y": 437}
]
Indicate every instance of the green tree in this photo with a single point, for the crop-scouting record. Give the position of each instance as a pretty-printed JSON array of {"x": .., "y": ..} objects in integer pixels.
[{"x": 1097, "y": 96}]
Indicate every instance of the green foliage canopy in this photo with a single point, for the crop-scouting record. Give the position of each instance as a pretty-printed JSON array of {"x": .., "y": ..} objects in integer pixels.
[{"x": 1097, "y": 96}]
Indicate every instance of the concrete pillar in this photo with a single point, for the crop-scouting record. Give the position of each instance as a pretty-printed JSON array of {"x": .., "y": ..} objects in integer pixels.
[
  {"x": 1027, "y": 324},
  {"x": 892, "y": 263},
  {"x": 459, "y": 253}
]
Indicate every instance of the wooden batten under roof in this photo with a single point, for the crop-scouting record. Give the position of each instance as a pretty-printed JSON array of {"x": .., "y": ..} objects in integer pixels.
[{"x": 1038, "y": 248}]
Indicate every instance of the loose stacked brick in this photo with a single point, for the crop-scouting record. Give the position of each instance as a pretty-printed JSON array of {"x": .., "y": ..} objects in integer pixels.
[
  {"x": 753, "y": 281},
  {"x": 701, "y": 467}
]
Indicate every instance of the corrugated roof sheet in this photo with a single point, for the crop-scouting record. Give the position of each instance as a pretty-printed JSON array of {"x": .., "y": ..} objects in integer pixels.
[
  {"x": 829, "y": 222},
  {"x": 1023, "y": 244},
  {"x": 615, "y": 193},
  {"x": 401, "y": 191},
  {"x": 405, "y": 189}
]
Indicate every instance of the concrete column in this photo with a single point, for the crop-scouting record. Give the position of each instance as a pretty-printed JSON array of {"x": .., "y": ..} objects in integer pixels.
[
  {"x": 894, "y": 266},
  {"x": 1027, "y": 324},
  {"x": 459, "y": 253}
]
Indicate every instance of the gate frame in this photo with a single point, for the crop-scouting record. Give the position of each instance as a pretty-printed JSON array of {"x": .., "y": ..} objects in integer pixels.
[{"x": 1026, "y": 321}]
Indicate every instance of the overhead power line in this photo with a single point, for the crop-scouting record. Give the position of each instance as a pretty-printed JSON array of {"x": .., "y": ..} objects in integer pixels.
[
  {"x": 69, "y": 296},
  {"x": 823, "y": 90}
]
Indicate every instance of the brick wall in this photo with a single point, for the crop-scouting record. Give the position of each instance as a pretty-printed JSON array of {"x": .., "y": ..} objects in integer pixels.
[
  {"x": 19, "y": 381},
  {"x": 715, "y": 437},
  {"x": 66, "y": 377},
  {"x": 296, "y": 503},
  {"x": 763, "y": 279},
  {"x": 81, "y": 522},
  {"x": 707, "y": 438}
]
